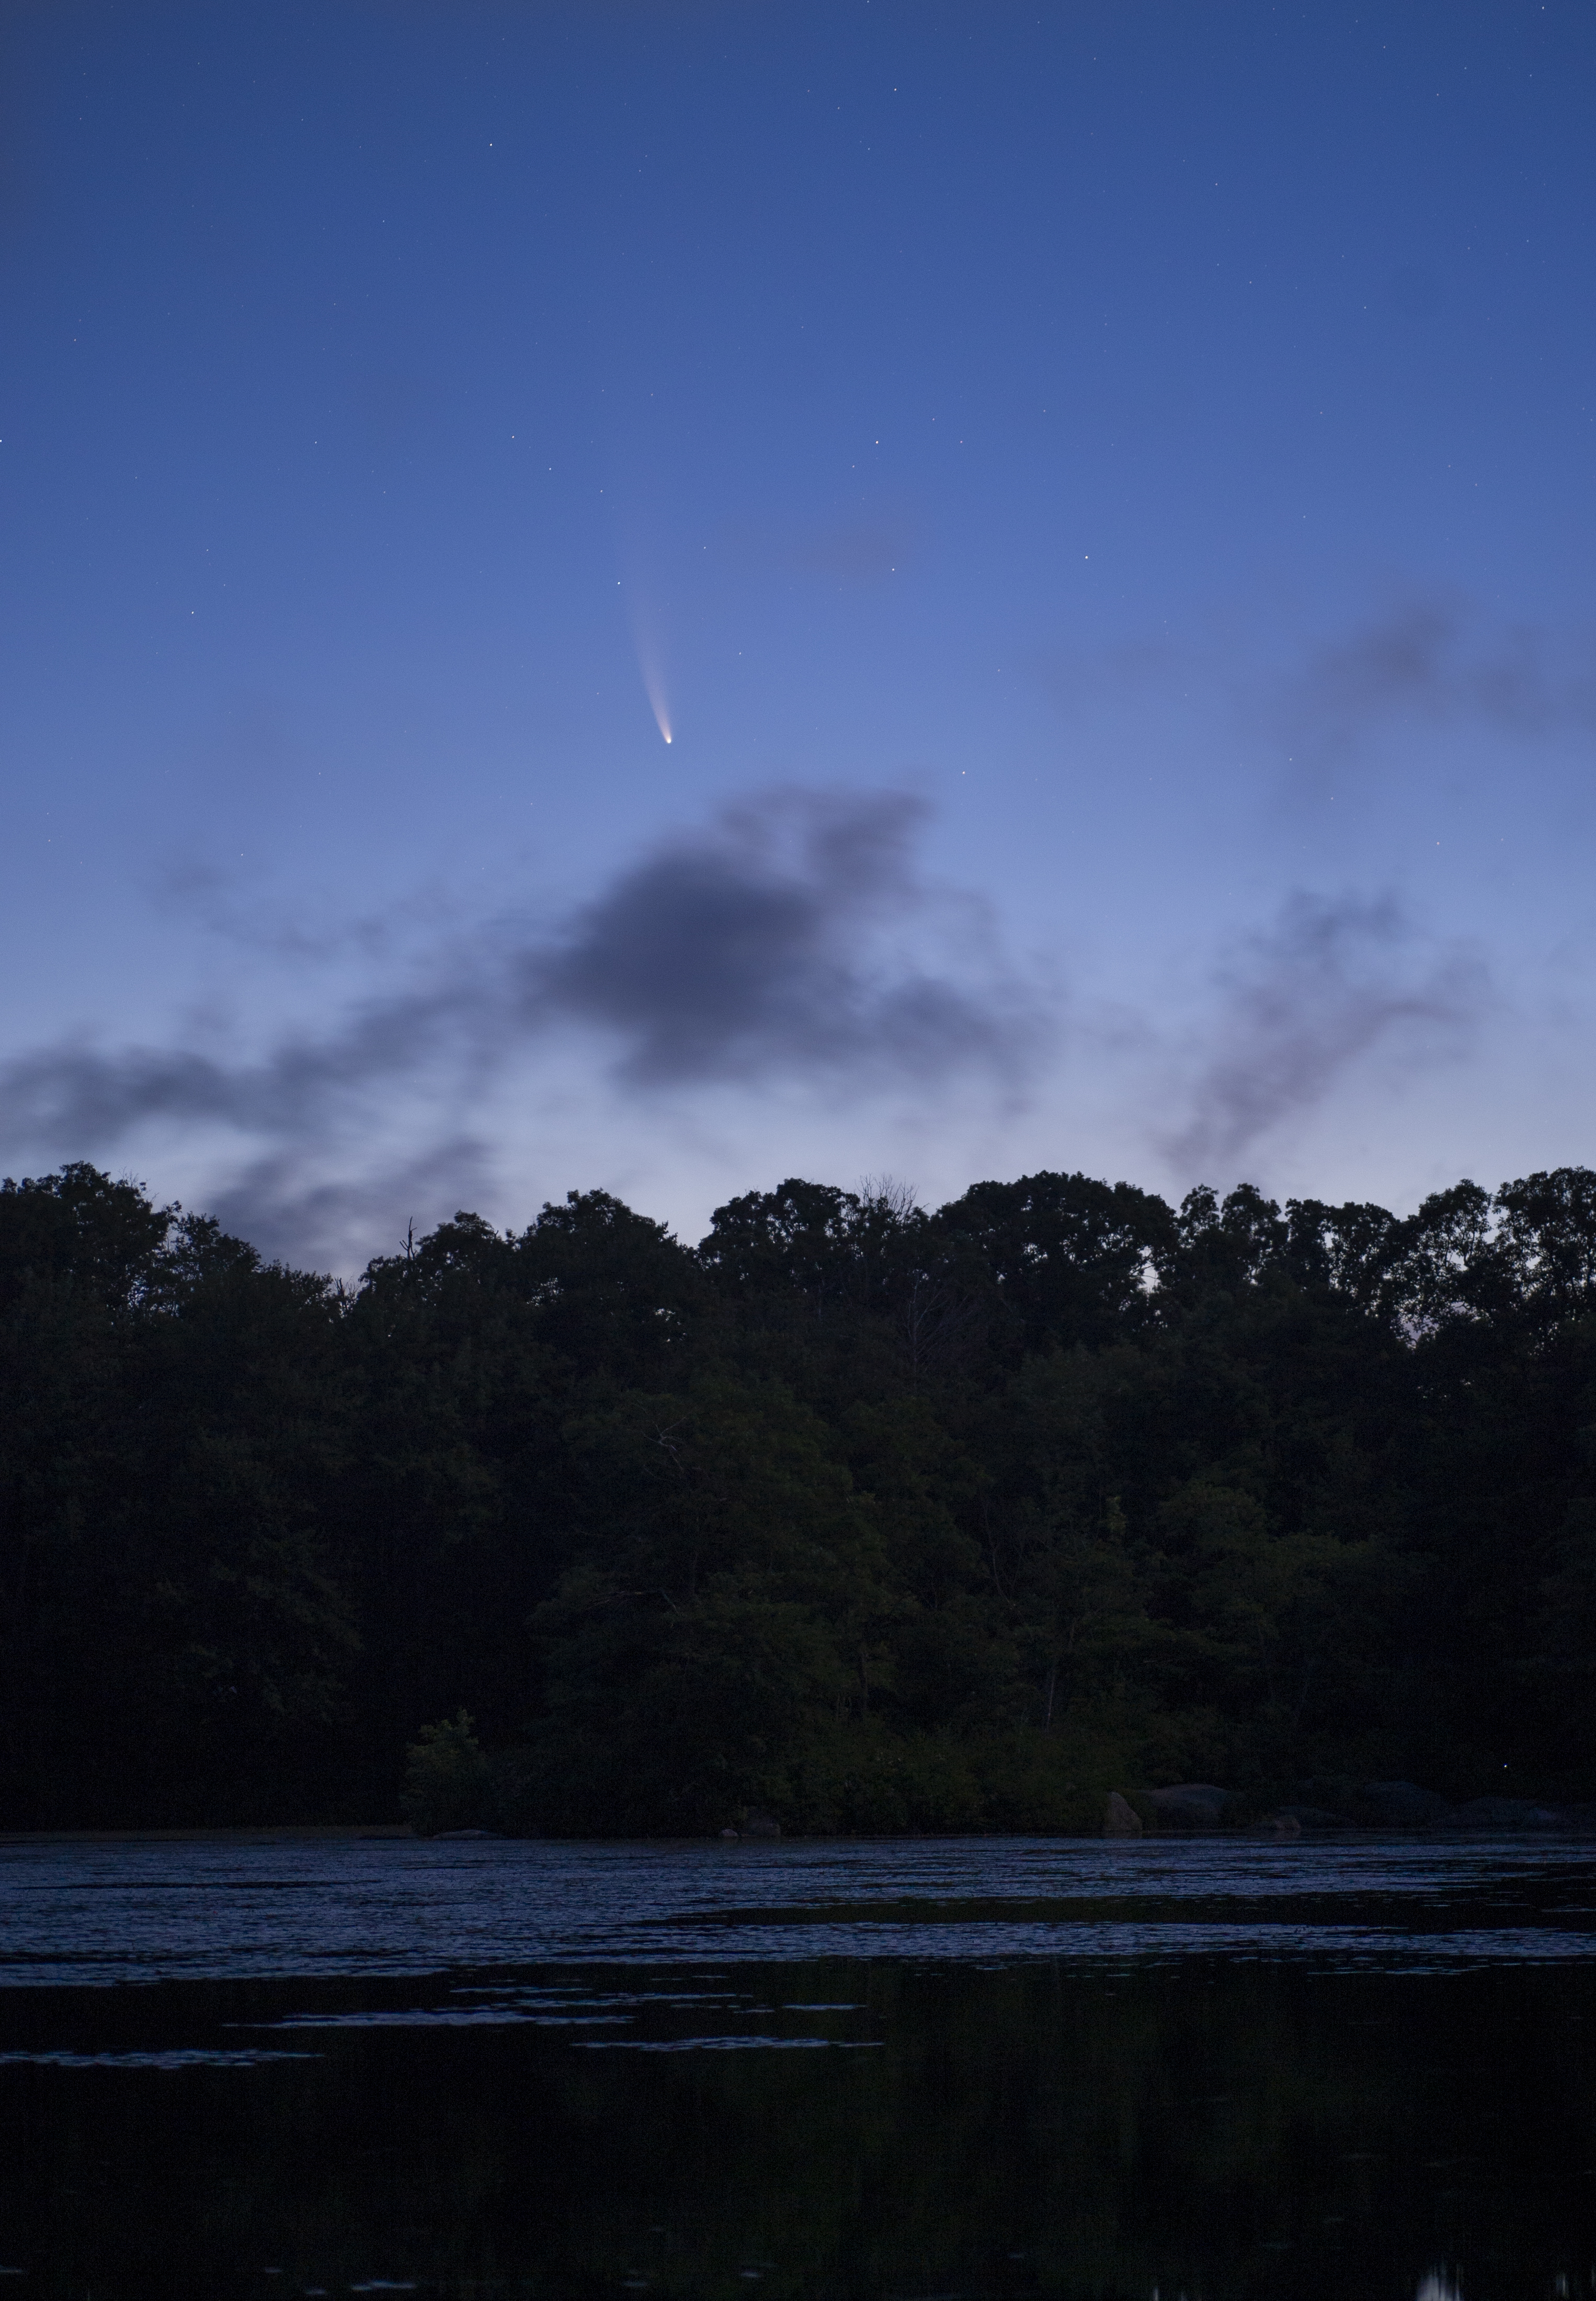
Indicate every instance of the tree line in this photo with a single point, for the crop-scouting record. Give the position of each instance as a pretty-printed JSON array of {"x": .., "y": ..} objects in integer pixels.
[{"x": 857, "y": 1515}]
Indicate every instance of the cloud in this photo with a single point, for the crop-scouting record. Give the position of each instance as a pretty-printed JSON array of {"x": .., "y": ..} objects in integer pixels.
[
  {"x": 768, "y": 946},
  {"x": 220, "y": 902},
  {"x": 73, "y": 1098},
  {"x": 1328, "y": 984},
  {"x": 860, "y": 550},
  {"x": 1429, "y": 661},
  {"x": 793, "y": 940},
  {"x": 1425, "y": 659},
  {"x": 867, "y": 546},
  {"x": 1152, "y": 665},
  {"x": 286, "y": 1203}
]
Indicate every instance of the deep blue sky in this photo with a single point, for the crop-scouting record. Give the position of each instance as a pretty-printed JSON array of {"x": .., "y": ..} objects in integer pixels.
[{"x": 1101, "y": 497}]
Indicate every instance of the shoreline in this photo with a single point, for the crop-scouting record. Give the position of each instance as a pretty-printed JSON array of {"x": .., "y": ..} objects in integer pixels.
[
  {"x": 243, "y": 1833},
  {"x": 401, "y": 1833}
]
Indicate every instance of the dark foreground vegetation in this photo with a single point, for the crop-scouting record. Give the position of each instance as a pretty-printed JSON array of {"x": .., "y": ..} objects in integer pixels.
[{"x": 859, "y": 1517}]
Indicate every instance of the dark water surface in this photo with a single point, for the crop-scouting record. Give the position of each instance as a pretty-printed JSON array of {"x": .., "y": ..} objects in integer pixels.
[{"x": 980, "y": 2067}]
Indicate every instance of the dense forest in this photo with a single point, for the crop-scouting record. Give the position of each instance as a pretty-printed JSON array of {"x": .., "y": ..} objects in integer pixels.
[{"x": 856, "y": 1515}]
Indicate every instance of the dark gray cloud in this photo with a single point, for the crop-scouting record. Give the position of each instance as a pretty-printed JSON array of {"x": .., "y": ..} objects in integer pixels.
[
  {"x": 1330, "y": 984},
  {"x": 793, "y": 939},
  {"x": 769, "y": 946}
]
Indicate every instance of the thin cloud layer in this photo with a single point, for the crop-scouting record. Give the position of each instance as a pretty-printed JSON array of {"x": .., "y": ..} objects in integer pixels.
[
  {"x": 1330, "y": 984},
  {"x": 289, "y": 1205},
  {"x": 1429, "y": 662},
  {"x": 1426, "y": 659},
  {"x": 867, "y": 546},
  {"x": 72, "y": 1098},
  {"x": 794, "y": 941}
]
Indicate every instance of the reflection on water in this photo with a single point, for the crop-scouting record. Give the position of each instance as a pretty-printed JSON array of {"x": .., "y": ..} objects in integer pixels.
[
  {"x": 990, "y": 2070},
  {"x": 172, "y": 2057}
]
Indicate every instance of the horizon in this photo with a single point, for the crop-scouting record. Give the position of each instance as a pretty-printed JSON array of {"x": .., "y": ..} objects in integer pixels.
[{"x": 1503, "y": 1220}]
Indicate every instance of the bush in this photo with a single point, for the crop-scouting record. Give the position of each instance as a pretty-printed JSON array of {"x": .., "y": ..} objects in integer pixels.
[{"x": 448, "y": 1782}]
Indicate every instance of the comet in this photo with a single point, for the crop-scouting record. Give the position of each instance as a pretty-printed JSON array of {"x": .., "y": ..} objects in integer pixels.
[
  {"x": 652, "y": 687},
  {"x": 651, "y": 667}
]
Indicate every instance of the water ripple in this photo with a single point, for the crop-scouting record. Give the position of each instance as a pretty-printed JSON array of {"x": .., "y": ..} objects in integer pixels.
[{"x": 76, "y": 1914}]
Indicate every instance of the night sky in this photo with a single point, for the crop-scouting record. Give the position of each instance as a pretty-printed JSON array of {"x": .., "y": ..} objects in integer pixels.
[{"x": 1099, "y": 499}]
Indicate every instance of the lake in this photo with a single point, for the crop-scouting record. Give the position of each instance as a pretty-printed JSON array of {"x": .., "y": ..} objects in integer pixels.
[{"x": 979, "y": 2067}]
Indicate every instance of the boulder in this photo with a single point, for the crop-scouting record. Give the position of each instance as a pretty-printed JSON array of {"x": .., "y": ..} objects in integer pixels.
[
  {"x": 1190, "y": 1805},
  {"x": 1400, "y": 1805},
  {"x": 1120, "y": 1818},
  {"x": 761, "y": 1825}
]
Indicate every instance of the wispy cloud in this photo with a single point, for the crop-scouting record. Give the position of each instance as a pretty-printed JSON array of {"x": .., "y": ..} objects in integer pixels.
[
  {"x": 861, "y": 550},
  {"x": 869, "y": 544},
  {"x": 793, "y": 940},
  {"x": 287, "y": 1204},
  {"x": 1328, "y": 984},
  {"x": 72, "y": 1100},
  {"x": 222, "y": 903},
  {"x": 1431, "y": 660}
]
